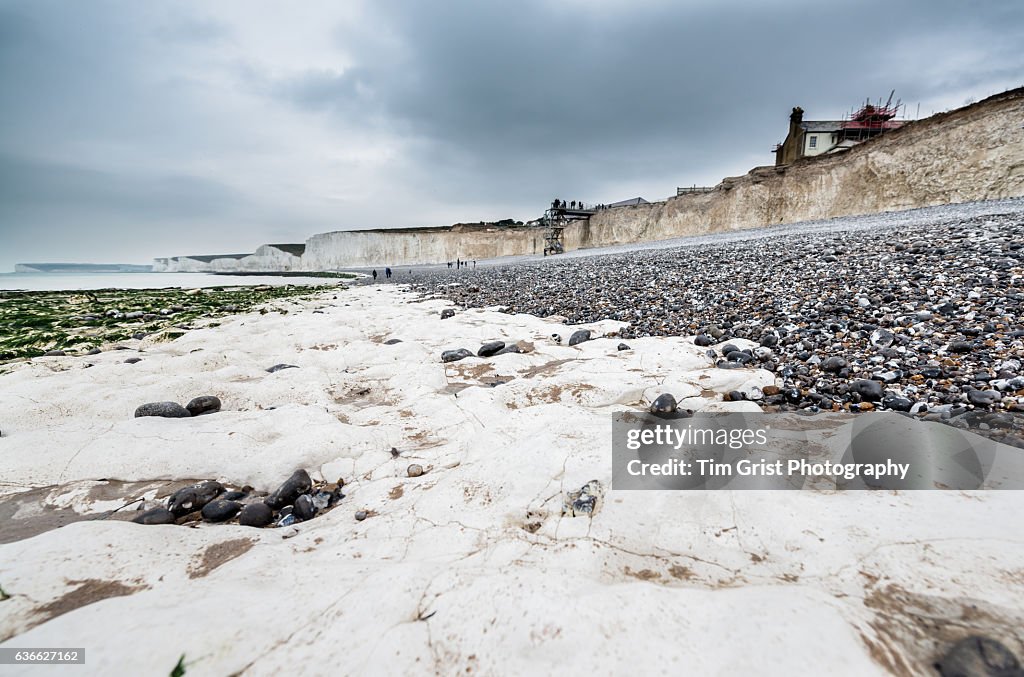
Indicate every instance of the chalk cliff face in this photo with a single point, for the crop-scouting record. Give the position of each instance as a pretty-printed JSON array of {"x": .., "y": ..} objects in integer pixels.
[
  {"x": 972, "y": 153},
  {"x": 268, "y": 257},
  {"x": 418, "y": 245}
]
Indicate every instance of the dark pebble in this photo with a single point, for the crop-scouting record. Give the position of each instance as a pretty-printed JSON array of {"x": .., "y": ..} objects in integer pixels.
[
  {"x": 304, "y": 509},
  {"x": 623, "y": 346},
  {"x": 897, "y": 403},
  {"x": 133, "y": 360},
  {"x": 834, "y": 364},
  {"x": 868, "y": 390},
  {"x": 664, "y": 404},
  {"x": 204, "y": 404},
  {"x": 256, "y": 515},
  {"x": 155, "y": 516},
  {"x": 455, "y": 355},
  {"x": 189, "y": 499},
  {"x": 279, "y": 367},
  {"x": 296, "y": 485},
  {"x": 491, "y": 348},
  {"x": 446, "y": 313},
  {"x": 163, "y": 410},
  {"x": 979, "y": 657},
  {"x": 220, "y": 510},
  {"x": 579, "y": 336},
  {"x": 983, "y": 398}
]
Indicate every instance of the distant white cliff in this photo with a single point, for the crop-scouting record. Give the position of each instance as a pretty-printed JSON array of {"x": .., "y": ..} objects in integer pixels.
[{"x": 268, "y": 258}]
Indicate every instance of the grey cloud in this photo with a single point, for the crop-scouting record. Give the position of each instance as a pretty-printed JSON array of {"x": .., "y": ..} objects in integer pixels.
[
  {"x": 27, "y": 184},
  {"x": 532, "y": 91},
  {"x": 169, "y": 124}
]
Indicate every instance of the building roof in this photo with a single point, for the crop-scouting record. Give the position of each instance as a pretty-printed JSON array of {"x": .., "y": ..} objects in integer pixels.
[
  {"x": 632, "y": 202},
  {"x": 822, "y": 125}
]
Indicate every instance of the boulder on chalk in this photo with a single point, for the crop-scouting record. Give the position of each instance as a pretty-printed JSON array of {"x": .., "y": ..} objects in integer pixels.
[
  {"x": 455, "y": 355},
  {"x": 256, "y": 515},
  {"x": 579, "y": 337},
  {"x": 220, "y": 510},
  {"x": 155, "y": 516},
  {"x": 490, "y": 348},
  {"x": 296, "y": 485},
  {"x": 204, "y": 404},
  {"x": 163, "y": 410}
]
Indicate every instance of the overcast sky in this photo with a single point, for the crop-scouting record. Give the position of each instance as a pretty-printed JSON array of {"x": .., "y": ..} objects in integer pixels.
[{"x": 130, "y": 130}]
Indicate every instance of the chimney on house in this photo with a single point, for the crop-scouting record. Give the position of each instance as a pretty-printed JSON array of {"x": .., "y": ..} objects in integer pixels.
[{"x": 795, "y": 118}]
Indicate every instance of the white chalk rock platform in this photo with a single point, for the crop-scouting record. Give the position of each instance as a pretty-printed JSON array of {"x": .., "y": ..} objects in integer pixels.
[{"x": 470, "y": 568}]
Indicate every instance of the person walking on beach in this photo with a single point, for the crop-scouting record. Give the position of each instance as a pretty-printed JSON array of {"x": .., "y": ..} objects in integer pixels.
[
  {"x": 387, "y": 273},
  {"x": 374, "y": 273}
]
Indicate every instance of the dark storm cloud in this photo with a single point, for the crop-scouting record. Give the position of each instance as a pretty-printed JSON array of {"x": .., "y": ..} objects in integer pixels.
[
  {"x": 642, "y": 90},
  {"x": 183, "y": 115}
]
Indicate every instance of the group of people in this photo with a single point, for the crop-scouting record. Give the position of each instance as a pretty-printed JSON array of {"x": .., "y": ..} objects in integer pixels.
[
  {"x": 457, "y": 263},
  {"x": 575, "y": 204},
  {"x": 562, "y": 204}
]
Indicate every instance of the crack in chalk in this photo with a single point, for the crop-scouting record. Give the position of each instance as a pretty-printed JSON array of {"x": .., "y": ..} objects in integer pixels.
[
  {"x": 661, "y": 557},
  {"x": 287, "y": 640},
  {"x": 80, "y": 450},
  {"x": 920, "y": 542},
  {"x": 561, "y": 491}
]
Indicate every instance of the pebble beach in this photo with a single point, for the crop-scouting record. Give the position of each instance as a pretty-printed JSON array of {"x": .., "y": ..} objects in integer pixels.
[{"x": 919, "y": 312}]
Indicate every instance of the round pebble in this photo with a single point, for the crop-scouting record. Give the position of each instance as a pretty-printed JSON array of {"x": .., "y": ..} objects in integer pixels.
[
  {"x": 163, "y": 410},
  {"x": 664, "y": 404},
  {"x": 220, "y": 510},
  {"x": 205, "y": 404},
  {"x": 256, "y": 515},
  {"x": 155, "y": 516},
  {"x": 297, "y": 484}
]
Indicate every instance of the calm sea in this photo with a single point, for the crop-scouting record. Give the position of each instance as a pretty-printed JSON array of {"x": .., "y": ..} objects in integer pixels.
[{"x": 61, "y": 281}]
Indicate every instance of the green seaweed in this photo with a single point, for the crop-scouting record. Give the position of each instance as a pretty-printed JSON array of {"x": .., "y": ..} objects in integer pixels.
[{"x": 33, "y": 322}]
